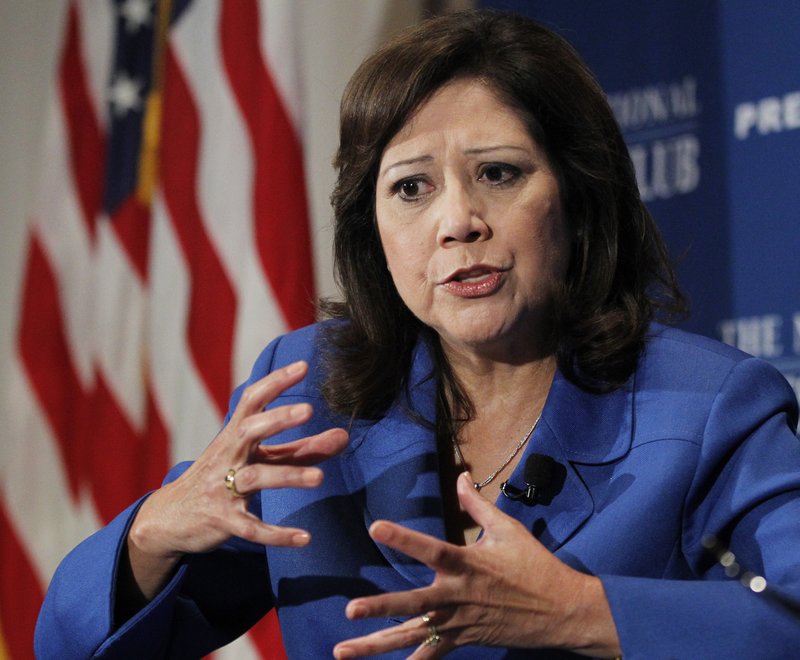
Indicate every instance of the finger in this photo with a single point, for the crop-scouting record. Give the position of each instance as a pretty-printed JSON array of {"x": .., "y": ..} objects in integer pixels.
[
  {"x": 432, "y": 552},
  {"x": 285, "y": 466},
  {"x": 413, "y": 632},
  {"x": 306, "y": 451},
  {"x": 485, "y": 514},
  {"x": 257, "y": 395},
  {"x": 394, "y": 603},
  {"x": 429, "y": 650},
  {"x": 256, "y": 476},
  {"x": 251, "y": 528},
  {"x": 255, "y": 428}
]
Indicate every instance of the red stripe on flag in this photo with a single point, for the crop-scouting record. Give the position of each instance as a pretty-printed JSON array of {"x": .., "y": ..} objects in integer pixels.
[
  {"x": 46, "y": 359},
  {"x": 124, "y": 463},
  {"x": 279, "y": 195},
  {"x": 131, "y": 223},
  {"x": 85, "y": 140},
  {"x": 21, "y": 594},
  {"x": 212, "y": 305},
  {"x": 266, "y": 636}
]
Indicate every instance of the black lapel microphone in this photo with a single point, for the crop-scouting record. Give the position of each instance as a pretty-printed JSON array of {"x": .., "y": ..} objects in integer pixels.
[{"x": 539, "y": 473}]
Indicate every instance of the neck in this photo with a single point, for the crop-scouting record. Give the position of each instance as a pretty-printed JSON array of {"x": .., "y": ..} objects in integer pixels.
[
  {"x": 507, "y": 398},
  {"x": 503, "y": 387}
]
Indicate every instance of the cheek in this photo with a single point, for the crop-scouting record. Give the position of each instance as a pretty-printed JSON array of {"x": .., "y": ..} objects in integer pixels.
[
  {"x": 562, "y": 243},
  {"x": 393, "y": 251},
  {"x": 553, "y": 232},
  {"x": 408, "y": 269},
  {"x": 402, "y": 246},
  {"x": 542, "y": 241},
  {"x": 402, "y": 260},
  {"x": 409, "y": 272},
  {"x": 558, "y": 246}
]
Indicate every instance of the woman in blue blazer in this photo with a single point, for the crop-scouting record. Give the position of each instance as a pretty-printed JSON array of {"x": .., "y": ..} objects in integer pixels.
[{"x": 500, "y": 281}]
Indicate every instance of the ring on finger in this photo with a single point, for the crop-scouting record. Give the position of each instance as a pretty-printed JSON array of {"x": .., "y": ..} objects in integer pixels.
[
  {"x": 230, "y": 483},
  {"x": 433, "y": 635}
]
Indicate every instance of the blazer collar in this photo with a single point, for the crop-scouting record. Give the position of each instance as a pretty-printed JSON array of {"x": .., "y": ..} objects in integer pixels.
[
  {"x": 393, "y": 463},
  {"x": 576, "y": 428},
  {"x": 590, "y": 428}
]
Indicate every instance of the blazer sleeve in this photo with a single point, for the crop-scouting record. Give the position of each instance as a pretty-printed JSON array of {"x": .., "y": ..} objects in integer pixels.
[
  {"x": 211, "y": 599},
  {"x": 745, "y": 492}
]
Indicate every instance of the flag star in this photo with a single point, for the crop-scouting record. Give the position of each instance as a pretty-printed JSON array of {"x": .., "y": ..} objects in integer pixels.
[
  {"x": 125, "y": 94},
  {"x": 136, "y": 14}
]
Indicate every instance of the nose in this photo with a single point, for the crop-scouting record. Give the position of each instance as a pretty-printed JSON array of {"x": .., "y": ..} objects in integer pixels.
[{"x": 461, "y": 217}]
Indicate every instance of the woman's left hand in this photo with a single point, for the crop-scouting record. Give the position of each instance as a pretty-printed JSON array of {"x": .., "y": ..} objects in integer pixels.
[{"x": 504, "y": 590}]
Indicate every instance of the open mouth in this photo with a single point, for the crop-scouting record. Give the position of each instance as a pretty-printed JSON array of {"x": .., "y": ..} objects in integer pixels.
[
  {"x": 473, "y": 275},
  {"x": 474, "y": 282}
]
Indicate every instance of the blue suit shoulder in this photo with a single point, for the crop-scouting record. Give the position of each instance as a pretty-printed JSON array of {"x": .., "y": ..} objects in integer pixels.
[
  {"x": 302, "y": 344},
  {"x": 670, "y": 351},
  {"x": 674, "y": 342},
  {"x": 682, "y": 377}
]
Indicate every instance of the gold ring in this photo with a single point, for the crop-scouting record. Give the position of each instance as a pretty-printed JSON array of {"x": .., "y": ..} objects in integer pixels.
[
  {"x": 230, "y": 483},
  {"x": 433, "y": 635}
]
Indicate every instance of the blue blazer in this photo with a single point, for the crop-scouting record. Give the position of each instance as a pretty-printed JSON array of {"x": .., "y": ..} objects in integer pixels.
[{"x": 700, "y": 441}]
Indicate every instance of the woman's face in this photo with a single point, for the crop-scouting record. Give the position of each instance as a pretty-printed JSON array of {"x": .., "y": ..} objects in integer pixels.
[{"x": 470, "y": 219}]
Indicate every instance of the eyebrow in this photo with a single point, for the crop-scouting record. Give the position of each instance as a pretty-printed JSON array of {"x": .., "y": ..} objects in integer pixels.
[
  {"x": 407, "y": 161},
  {"x": 469, "y": 152},
  {"x": 498, "y": 147}
]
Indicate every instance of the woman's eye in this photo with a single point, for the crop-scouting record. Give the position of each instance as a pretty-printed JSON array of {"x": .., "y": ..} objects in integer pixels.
[
  {"x": 411, "y": 189},
  {"x": 498, "y": 173}
]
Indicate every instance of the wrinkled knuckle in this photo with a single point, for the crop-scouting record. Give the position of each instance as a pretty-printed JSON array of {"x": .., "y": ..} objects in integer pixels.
[
  {"x": 440, "y": 554},
  {"x": 215, "y": 521},
  {"x": 295, "y": 412},
  {"x": 266, "y": 452},
  {"x": 248, "y": 529},
  {"x": 419, "y": 604},
  {"x": 139, "y": 534},
  {"x": 270, "y": 422},
  {"x": 411, "y": 636},
  {"x": 244, "y": 480},
  {"x": 248, "y": 393}
]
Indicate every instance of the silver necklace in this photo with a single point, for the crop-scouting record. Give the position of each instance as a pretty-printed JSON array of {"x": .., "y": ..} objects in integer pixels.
[{"x": 510, "y": 458}]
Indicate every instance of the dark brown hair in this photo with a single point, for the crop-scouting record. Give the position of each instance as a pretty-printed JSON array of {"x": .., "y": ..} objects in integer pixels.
[{"x": 619, "y": 275}]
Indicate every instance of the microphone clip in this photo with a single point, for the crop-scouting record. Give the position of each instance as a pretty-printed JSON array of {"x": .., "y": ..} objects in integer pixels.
[
  {"x": 543, "y": 477},
  {"x": 526, "y": 495}
]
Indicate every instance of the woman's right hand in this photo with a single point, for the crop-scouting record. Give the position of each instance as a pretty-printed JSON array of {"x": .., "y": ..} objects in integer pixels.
[{"x": 197, "y": 512}]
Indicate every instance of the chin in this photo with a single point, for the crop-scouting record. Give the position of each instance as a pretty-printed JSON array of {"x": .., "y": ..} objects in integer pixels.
[
  {"x": 478, "y": 339},
  {"x": 503, "y": 341}
]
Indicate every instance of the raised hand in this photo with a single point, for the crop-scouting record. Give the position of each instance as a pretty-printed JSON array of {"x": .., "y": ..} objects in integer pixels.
[
  {"x": 201, "y": 509},
  {"x": 504, "y": 590}
]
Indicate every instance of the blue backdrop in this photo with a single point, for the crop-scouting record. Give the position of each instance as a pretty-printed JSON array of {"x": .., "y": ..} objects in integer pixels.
[{"x": 708, "y": 96}]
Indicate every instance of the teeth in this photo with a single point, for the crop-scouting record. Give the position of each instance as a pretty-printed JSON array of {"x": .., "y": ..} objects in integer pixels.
[{"x": 473, "y": 277}]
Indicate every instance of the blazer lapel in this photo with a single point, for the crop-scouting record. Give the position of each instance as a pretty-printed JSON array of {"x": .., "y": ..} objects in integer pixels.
[
  {"x": 393, "y": 466},
  {"x": 576, "y": 428}
]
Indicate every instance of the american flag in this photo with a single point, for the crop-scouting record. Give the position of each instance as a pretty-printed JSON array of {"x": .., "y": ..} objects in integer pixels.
[{"x": 169, "y": 243}]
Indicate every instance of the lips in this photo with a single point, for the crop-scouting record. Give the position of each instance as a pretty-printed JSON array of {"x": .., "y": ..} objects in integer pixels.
[{"x": 473, "y": 282}]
